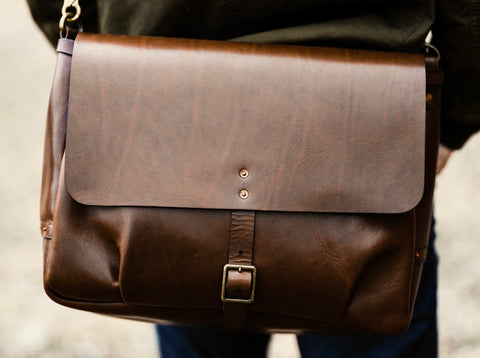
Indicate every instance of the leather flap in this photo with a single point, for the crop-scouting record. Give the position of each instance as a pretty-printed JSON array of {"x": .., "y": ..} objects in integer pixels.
[{"x": 171, "y": 123}]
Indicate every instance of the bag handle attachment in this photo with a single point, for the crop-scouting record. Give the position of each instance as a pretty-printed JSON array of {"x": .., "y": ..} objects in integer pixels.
[{"x": 70, "y": 13}]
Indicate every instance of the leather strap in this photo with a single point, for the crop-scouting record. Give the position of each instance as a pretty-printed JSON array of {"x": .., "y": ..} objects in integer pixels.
[
  {"x": 65, "y": 46},
  {"x": 239, "y": 283}
]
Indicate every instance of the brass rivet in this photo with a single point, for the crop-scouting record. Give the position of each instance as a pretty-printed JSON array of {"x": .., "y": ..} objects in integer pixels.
[
  {"x": 429, "y": 97},
  {"x": 244, "y": 173},
  {"x": 417, "y": 255},
  {"x": 44, "y": 228},
  {"x": 243, "y": 194}
]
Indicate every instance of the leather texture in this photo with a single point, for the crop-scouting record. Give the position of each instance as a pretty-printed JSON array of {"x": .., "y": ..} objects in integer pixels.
[
  {"x": 323, "y": 111},
  {"x": 239, "y": 284},
  {"x": 339, "y": 185},
  {"x": 55, "y": 135}
]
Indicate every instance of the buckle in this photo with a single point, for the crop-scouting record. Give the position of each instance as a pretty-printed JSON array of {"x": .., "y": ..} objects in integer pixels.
[{"x": 238, "y": 268}]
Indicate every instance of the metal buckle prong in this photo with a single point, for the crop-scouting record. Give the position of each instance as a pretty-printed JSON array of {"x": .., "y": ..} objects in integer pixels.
[{"x": 238, "y": 268}]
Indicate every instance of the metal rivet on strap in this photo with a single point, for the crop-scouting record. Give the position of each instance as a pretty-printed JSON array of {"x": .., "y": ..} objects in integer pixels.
[
  {"x": 243, "y": 194},
  {"x": 243, "y": 173},
  {"x": 429, "y": 97}
]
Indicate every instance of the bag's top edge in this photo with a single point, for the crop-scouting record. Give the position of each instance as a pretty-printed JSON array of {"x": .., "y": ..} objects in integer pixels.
[{"x": 164, "y": 122}]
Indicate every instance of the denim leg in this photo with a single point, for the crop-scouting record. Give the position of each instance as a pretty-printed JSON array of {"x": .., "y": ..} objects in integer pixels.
[
  {"x": 182, "y": 342},
  {"x": 420, "y": 340}
]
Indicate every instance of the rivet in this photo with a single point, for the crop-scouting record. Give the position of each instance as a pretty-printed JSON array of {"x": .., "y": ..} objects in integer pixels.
[
  {"x": 44, "y": 228},
  {"x": 243, "y": 194},
  {"x": 244, "y": 173},
  {"x": 417, "y": 255},
  {"x": 429, "y": 97}
]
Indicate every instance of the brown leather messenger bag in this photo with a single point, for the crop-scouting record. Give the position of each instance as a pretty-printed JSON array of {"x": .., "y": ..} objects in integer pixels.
[{"x": 262, "y": 187}]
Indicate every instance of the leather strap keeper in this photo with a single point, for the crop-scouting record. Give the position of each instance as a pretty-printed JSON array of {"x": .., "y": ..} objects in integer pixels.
[{"x": 239, "y": 275}]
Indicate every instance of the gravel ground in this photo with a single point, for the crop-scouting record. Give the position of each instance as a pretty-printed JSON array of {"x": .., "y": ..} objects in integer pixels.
[{"x": 33, "y": 326}]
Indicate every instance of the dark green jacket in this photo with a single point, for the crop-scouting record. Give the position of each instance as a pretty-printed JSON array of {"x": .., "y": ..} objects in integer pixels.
[{"x": 400, "y": 25}]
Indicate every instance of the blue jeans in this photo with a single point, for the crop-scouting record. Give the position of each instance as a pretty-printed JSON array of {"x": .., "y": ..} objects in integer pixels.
[{"x": 420, "y": 340}]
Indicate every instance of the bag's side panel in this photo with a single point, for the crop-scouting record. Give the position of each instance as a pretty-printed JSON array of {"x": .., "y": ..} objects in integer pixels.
[
  {"x": 55, "y": 134},
  {"x": 423, "y": 210},
  {"x": 54, "y": 141}
]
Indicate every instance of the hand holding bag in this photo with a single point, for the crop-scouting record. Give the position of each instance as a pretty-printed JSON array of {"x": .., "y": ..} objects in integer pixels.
[{"x": 263, "y": 187}]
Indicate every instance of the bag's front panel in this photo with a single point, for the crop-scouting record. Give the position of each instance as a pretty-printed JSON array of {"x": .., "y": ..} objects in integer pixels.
[
  {"x": 352, "y": 269},
  {"x": 332, "y": 264},
  {"x": 173, "y": 257}
]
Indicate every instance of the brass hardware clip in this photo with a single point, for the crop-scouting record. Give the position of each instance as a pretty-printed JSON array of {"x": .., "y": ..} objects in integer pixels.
[{"x": 70, "y": 12}]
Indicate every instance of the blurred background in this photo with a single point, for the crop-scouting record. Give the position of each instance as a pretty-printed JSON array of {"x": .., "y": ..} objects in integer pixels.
[{"x": 33, "y": 326}]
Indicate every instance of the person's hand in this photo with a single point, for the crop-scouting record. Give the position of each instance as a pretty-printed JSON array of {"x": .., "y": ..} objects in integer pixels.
[{"x": 443, "y": 155}]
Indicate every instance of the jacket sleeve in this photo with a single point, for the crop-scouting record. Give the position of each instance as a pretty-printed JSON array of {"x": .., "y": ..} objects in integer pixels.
[{"x": 456, "y": 34}]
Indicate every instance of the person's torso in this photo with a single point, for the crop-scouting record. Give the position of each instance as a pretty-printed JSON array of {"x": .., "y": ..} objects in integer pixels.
[{"x": 380, "y": 24}]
